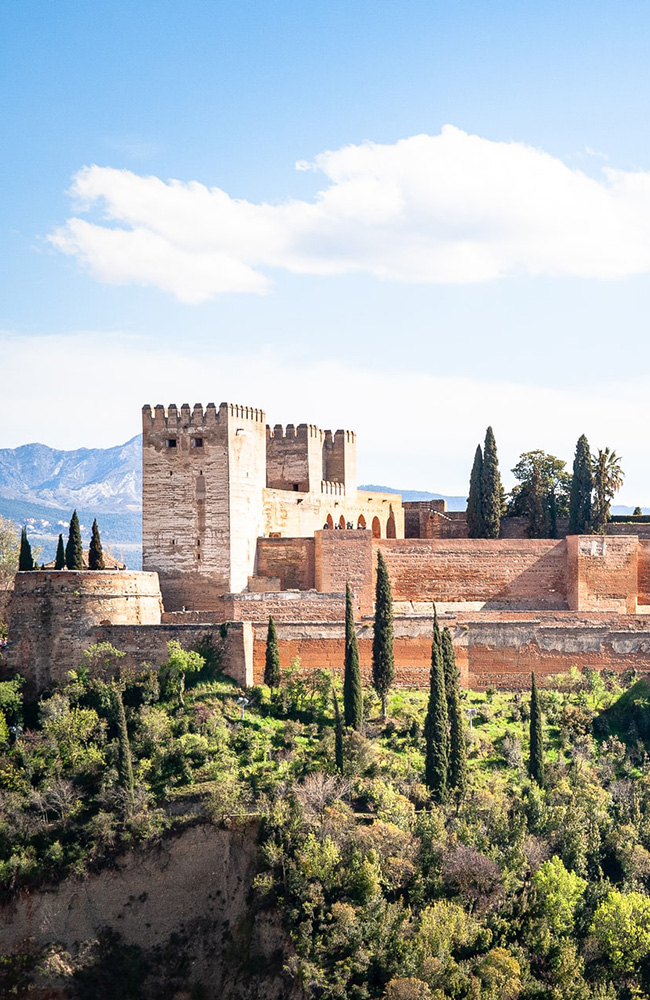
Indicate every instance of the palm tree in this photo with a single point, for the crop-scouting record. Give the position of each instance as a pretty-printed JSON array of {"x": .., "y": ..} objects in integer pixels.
[{"x": 607, "y": 479}]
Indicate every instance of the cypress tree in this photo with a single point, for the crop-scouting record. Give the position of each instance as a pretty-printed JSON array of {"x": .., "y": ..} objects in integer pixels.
[
  {"x": 74, "y": 556},
  {"x": 59, "y": 560},
  {"x": 272, "y": 662},
  {"x": 457, "y": 776},
  {"x": 25, "y": 558},
  {"x": 536, "y": 761},
  {"x": 338, "y": 734},
  {"x": 95, "y": 553},
  {"x": 474, "y": 500},
  {"x": 491, "y": 488},
  {"x": 352, "y": 691},
  {"x": 124, "y": 762},
  {"x": 383, "y": 661},
  {"x": 581, "y": 486},
  {"x": 436, "y": 733}
]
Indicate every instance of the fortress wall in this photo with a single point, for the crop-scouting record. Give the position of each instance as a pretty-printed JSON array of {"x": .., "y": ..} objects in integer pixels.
[
  {"x": 603, "y": 573},
  {"x": 643, "y": 572},
  {"x": 294, "y": 457},
  {"x": 5, "y": 598},
  {"x": 296, "y": 514},
  {"x": 296, "y": 606},
  {"x": 499, "y": 650},
  {"x": 52, "y": 613},
  {"x": 346, "y": 557},
  {"x": 148, "y": 644},
  {"x": 289, "y": 559}
]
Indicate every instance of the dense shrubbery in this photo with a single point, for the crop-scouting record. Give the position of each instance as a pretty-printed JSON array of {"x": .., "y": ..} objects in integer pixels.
[{"x": 508, "y": 890}]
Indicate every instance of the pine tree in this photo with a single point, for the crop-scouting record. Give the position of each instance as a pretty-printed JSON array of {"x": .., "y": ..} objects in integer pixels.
[
  {"x": 95, "y": 553},
  {"x": 59, "y": 560},
  {"x": 272, "y": 662},
  {"x": 383, "y": 661},
  {"x": 536, "y": 761},
  {"x": 436, "y": 733},
  {"x": 581, "y": 487},
  {"x": 124, "y": 762},
  {"x": 338, "y": 733},
  {"x": 457, "y": 776},
  {"x": 25, "y": 558},
  {"x": 74, "y": 556},
  {"x": 352, "y": 690},
  {"x": 491, "y": 488},
  {"x": 474, "y": 500}
]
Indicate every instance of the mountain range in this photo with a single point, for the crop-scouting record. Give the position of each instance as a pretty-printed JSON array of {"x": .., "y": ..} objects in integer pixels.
[{"x": 41, "y": 486}]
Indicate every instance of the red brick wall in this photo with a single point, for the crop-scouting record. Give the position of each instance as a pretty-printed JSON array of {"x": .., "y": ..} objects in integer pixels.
[
  {"x": 290, "y": 559},
  {"x": 603, "y": 573},
  {"x": 643, "y": 571},
  {"x": 525, "y": 573},
  {"x": 342, "y": 557}
]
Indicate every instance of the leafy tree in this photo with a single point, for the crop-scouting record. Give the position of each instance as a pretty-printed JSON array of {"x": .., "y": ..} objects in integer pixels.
[
  {"x": 272, "y": 660},
  {"x": 637, "y": 512},
  {"x": 95, "y": 553},
  {"x": 607, "y": 479},
  {"x": 558, "y": 893},
  {"x": 25, "y": 558},
  {"x": 536, "y": 760},
  {"x": 491, "y": 489},
  {"x": 173, "y": 673},
  {"x": 124, "y": 762},
  {"x": 621, "y": 926},
  {"x": 457, "y": 775},
  {"x": 581, "y": 486},
  {"x": 383, "y": 660},
  {"x": 9, "y": 550},
  {"x": 59, "y": 559},
  {"x": 475, "y": 498},
  {"x": 74, "y": 556},
  {"x": 436, "y": 732},
  {"x": 542, "y": 494},
  {"x": 352, "y": 690}
]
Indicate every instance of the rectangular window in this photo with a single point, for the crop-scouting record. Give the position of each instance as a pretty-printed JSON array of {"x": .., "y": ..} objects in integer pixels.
[
  {"x": 197, "y": 442},
  {"x": 296, "y": 487},
  {"x": 171, "y": 442}
]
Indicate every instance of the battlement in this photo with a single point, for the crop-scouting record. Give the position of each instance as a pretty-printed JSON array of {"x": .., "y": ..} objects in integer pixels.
[
  {"x": 160, "y": 418},
  {"x": 302, "y": 432},
  {"x": 340, "y": 436},
  {"x": 332, "y": 489}
]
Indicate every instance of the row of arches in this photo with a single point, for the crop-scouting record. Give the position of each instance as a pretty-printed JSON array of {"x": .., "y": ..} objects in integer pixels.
[{"x": 391, "y": 531}]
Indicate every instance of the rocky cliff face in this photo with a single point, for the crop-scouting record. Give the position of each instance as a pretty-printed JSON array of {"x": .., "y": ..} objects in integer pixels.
[{"x": 170, "y": 921}]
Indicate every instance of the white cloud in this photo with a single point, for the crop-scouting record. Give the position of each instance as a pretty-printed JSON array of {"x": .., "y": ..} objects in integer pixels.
[
  {"x": 414, "y": 430},
  {"x": 449, "y": 208}
]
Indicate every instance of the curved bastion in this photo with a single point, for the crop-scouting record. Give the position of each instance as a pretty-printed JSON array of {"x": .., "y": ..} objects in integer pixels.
[{"x": 51, "y": 613}]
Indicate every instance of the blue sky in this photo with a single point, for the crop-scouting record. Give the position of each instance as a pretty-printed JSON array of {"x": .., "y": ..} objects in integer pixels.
[{"x": 539, "y": 329}]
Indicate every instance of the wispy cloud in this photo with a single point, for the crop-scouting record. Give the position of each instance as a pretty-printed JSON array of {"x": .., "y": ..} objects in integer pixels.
[
  {"x": 449, "y": 208},
  {"x": 415, "y": 430}
]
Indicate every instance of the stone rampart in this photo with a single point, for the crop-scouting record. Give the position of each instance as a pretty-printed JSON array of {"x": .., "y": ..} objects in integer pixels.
[
  {"x": 289, "y": 559},
  {"x": 52, "y": 612},
  {"x": 603, "y": 573}
]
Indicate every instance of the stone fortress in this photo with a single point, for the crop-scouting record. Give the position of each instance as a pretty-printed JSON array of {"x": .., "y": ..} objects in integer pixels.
[{"x": 241, "y": 521}]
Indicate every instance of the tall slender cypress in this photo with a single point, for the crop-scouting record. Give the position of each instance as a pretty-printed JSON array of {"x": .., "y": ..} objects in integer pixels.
[
  {"x": 536, "y": 760},
  {"x": 383, "y": 661},
  {"x": 59, "y": 559},
  {"x": 491, "y": 488},
  {"x": 272, "y": 661},
  {"x": 338, "y": 733},
  {"x": 457, "y": 774},
  {"x": 581, "y": 487},
  {"x": 74, "y": 556},
  {"x": 352, "y": 691},
  {"x": 124, "y": 761},
  {"x": 436, "y": 733},
  {"x": 474, "y": 500},
  {"x": 95, "y": 553},
  {"x": 25, "y": 558}
]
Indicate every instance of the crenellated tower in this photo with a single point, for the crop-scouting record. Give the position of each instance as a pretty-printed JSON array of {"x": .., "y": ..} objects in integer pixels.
[{"x": 203, "y": 476}]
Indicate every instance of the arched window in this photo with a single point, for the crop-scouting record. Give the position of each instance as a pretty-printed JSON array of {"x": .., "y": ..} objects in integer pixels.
[
  {"x": 361, "y": 523},
  {"x": 376, "y": 528},
  {"x": 341, "y": 521},
  {"x": 391, "y": 531},
  {"x": 329, "y": 521}
]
